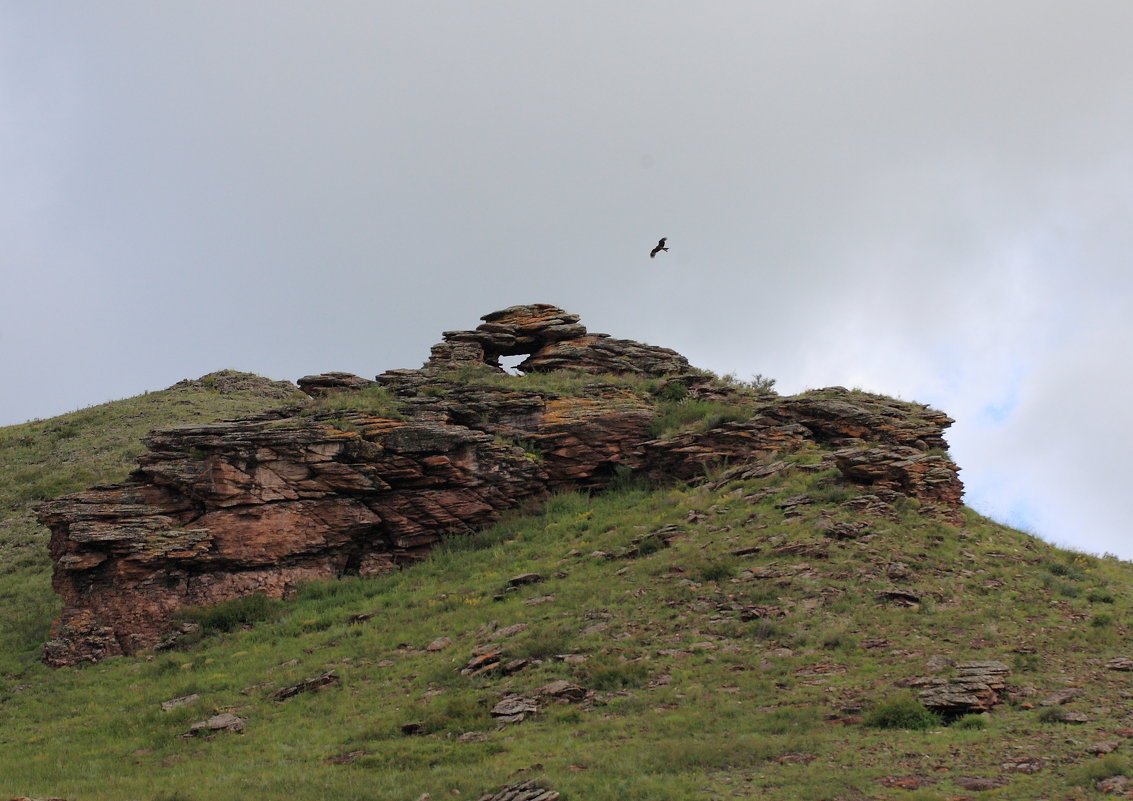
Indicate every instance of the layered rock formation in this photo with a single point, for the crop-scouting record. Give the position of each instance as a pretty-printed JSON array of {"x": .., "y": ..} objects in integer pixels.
[
  {"x": 975, "y": 688},
  {"x": 552, "y": 340},
  {"x": 376, "y": 478}
]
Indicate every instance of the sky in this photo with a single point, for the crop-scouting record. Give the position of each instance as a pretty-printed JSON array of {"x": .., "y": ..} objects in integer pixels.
[{"x": 925, "y": 199}]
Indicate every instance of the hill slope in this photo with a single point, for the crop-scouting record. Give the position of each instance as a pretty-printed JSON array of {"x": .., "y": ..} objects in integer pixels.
[
  {"x": 762, "y": 634},
  {"x": 712, "y": 673}
]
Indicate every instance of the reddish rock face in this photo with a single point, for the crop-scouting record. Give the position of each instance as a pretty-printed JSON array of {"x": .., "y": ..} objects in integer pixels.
[
  {"x": 259, "y": 505},
  {"x": 215, "y": 512}
]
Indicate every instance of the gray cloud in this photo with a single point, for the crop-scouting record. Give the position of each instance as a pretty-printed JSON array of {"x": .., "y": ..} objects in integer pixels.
[{"x": 921, "y": 199}]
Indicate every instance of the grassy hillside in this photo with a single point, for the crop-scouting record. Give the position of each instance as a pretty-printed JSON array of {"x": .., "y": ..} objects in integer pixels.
[{"x": 734, "y": 639}]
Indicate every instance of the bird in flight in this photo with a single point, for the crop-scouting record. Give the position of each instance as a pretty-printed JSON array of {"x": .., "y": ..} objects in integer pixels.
[{"x": 659, "y": 248}]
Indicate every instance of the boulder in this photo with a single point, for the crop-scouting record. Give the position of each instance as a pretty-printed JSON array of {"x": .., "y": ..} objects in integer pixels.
[
  {"x": 184, "y": 700},
  {"x": 514, "y": 708},
  {"x": 561, "y": 690},
  {"x": 975, "y": 688}
]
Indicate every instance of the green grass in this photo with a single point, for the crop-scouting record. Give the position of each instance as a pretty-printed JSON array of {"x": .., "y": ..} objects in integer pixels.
[
  {"x": 237, "y": 613},
  {"x": 373, "y": 400},
  {"x": 690, "y": 697},
  {"x": 903, "y": 712},
  {"x": 674, "y": 417},
  {"x": 569, "y": 383},
  {"x": 682, "y": 704}
]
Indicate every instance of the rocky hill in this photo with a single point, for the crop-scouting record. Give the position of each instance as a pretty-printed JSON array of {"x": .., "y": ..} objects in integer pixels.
[
  {"x": 614, "y": 576},
  {"x": 260, "y": 505}
]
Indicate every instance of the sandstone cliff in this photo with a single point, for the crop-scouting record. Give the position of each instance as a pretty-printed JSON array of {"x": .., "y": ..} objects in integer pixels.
[{"x": 370, "y": 475}]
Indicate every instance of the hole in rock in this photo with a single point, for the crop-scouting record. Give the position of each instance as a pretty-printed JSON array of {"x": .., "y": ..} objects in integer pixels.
[{"x": 510, "y": 363}]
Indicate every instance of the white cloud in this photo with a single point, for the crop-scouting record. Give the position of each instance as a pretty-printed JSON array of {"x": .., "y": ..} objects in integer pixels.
[{"x": 919, "y": 199}]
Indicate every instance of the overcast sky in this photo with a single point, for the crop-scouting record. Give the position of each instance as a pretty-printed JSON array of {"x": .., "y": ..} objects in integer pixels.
[{"x": 926, "y": 199}]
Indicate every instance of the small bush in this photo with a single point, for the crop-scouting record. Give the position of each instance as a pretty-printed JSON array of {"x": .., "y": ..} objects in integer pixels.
[
  {"x": 1102, "y": 768},
  {"x": 541, "y": 643},
  {"x": 766, "y": 629},
  {"x": 238, "y": 612},
  {"x": 374, "y": 400},
  {"x": 714, "y": 570},
  {"x": 626, "y": 479},
  {"x": 762, "y": 384},
  {"x": 1052, "y": 714},
  {"x": 838, "y": 639},
  {"x": 832, "y": 488},
  {"x": 529, "y": 447},
  {"x": 695, "y": 415},
  {"x": 455, "y": 715},
  {"x": 608, "y": 673},
  {"x": 673, "y": 391},
  {"x": 1059, "y": 586},
  {"x": 1066, "y": 571},
  {"x": 1100, "y": 595},
  {"x": 903, "y": 713},
  {"x": 970, "y": 722},
  {"x": 1101, "y": 620},
  {"x": 649, "y": 545}
]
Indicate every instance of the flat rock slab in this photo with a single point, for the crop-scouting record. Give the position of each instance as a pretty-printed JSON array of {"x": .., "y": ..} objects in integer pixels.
[
  {"x": 514, "y": 708},
  {"x": 328, "y": 679},
  {"x": 346, "y": 759},
  {"x": 509, "y": 631},
  {"x": 561, "y": 690},
  {"x": 978, "y": 784},
  {"x": 524, "y": 791},
  {"x": 184, "y": 700},
  {"x": 913, "y": 782},
  {"x": 222, "y": 722},
  {"x": 1023, "y": 765},
  {"x": 1061, "y": 697},
  {"x": 1103, "y": 747}
]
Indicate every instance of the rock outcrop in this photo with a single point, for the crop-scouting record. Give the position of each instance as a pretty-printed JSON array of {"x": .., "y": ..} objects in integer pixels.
[
  {"x": 218, "y": 511},
  {"x": 975, "y": 688},
  {"x": 323, "y": 384},
  {"x": 553, "y": 340},
  {"x": 374, "y": 480}
]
